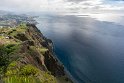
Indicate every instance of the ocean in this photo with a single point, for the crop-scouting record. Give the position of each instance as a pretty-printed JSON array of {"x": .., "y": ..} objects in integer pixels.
[{"x": 91, "y": 47}]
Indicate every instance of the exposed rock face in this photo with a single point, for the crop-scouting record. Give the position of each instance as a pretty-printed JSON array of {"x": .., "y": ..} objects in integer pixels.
[
  {"x": 36, "y": 50},
  {"x": 53, "y": 65},
  {"x": 50, "y": 62}
]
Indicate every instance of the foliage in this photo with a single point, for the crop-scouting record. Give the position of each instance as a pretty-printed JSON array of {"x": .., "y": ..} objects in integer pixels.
[
  {"x": 6, "y": 52},
  {"x": 21, "y": 79},
  {"x": 29, "y": 70},
  {"x": 48, "y": 78},
  {"x": 43, "y": 50},
  {"x": 11, "y": 48},
  {"x": 19, "y": 29},
  {"x": 12, "y": 69},
  {"x": 27, "y": 74}
]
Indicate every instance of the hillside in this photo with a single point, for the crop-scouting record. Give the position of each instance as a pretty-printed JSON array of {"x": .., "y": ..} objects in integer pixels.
[{"x": 26, "y": 56}]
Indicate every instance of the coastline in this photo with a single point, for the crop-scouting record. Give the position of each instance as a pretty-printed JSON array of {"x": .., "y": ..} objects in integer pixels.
[
  {"x": 66, "y": 72},
  {"x": 34, "y": 52}
]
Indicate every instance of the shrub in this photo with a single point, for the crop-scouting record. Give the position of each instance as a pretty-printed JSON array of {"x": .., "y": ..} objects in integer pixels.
[
  {"x": 29, "y": 70},
  {"x": 10, "y": 48},
  {"x": 43, "y": 50},
  {"x": 20, "y": 79},
  {"x": 4, "y": 59},
  {"x": 12, "y": 69},
  {"x": 6, "y": 53}
]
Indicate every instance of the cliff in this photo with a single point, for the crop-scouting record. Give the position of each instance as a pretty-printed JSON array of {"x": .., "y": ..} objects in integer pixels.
[{"x": 26, "y": 56}]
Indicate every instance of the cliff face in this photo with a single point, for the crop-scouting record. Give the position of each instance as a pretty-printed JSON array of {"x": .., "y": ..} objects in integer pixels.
[
  {"x": 46, "y": 59},
  {"x": 32, "y": 55}
]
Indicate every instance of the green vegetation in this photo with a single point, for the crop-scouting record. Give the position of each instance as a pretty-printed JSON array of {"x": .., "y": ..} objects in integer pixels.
[
  {"x": 6, "y": 55},
  {"x": 29, "y": 70},
  {"x": 18, "y": 79},
  {"x": 43, "y": 50},
  {"x": 19, "y": 29},
  {"x": 12, "y": 54},
  {"x": 12, "y": 69},
  {"x": 27, "y": 74}
]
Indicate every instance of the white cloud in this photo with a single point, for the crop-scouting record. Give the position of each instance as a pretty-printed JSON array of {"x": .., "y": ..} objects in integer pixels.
[
  {"x": 24, "y": 5},
  {"x": 61, "y": 5}
]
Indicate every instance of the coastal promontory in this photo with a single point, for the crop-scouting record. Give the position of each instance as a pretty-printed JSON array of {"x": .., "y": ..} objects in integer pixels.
[{"x": 26, "y": 56}]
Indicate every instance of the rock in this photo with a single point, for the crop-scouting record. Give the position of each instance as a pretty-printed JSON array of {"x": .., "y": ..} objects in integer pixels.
[{"x": 30, "y": 45}]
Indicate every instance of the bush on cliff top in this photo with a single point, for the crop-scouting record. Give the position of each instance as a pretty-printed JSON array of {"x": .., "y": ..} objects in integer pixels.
[
  {"x": 27, "y": 74},
  {"x": 29, "y": 70},
  {"x": 6, "y": 55}
]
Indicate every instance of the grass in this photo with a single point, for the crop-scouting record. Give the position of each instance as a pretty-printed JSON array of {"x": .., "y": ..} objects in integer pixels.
[
  {"x": 5, "y": 32},
  {"x": 43, "y": 50},
  {"x": 8, "y": 53},
  {"x": 14, "y": 32},
  {"x": 11, "y": 69},
  {"x": 25, "y": 79},
  {"x": 20, "y": 79},
  {"x": 3, "y": 40},
  {"x": 29, "y": 70},
  {"x": 27, "y": 74}
]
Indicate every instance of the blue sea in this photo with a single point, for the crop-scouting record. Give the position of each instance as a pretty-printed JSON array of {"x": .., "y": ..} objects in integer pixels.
[{"x": 91, "y": 47}]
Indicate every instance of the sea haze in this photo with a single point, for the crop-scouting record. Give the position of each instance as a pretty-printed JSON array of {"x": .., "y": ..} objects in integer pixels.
[{"x": 91, "y": 49}]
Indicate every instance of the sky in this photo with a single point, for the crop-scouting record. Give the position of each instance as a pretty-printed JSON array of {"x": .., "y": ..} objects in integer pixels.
[{"x": 79, "y": 6}]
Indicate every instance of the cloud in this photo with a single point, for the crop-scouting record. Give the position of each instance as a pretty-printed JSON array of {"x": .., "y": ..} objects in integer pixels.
[
  {"x": 62, "y": 5},
  {"x": 75, "y": 0},
  {"x": 25, "y": 5},
  {"x": 97, "y": 5}
]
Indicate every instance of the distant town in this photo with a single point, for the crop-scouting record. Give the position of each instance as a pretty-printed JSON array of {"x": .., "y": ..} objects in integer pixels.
[{"x": 12, "y": 20}]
